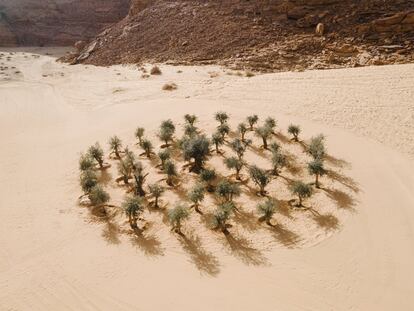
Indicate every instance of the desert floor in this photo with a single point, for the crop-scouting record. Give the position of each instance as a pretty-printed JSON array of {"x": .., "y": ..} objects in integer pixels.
[{"x": 55, "y": 256}]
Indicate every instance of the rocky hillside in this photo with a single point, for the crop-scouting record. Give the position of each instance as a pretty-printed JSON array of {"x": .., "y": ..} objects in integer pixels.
[
  {"x": 263, "y": 35},
  {"x": 56, "y": 22}
]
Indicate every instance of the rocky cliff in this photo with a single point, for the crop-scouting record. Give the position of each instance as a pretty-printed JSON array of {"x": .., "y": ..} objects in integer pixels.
[
  {"x": 263, "y": 35},
  {"x": 56, "y": 22}
]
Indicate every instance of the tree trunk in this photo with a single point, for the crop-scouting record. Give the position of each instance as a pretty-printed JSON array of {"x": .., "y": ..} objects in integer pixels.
[
  {"x": 238, "y": 175},
  {"x": 264, "y": 143},
  {"x": 300, "y": 200},
  {"x": 156, "y": 202},
  {"x": 317, "y": 180}
]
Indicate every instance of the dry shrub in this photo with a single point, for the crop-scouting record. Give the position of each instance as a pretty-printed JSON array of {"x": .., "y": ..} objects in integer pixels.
[
  {"x": 155, "y": 70},
  {"x": 249, "y": 74},
  {"x": 145, "y": 76},
  {"x": 169, "y": 87}
]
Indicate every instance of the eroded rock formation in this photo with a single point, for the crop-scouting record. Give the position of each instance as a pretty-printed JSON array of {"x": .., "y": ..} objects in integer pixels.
[{"x": 56, "y": 22}]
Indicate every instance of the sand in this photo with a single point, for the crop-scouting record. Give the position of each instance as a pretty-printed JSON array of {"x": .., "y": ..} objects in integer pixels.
[{"x": 55, "y": 256}]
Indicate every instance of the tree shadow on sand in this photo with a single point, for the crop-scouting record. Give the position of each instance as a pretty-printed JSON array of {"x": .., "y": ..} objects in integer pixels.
[
  {"x": 327, "y": 221},
  {"x": 342, "y": 199},
  {"x": 204, "y": 260},
  {"x": 147, "y": 243},
  {"x": 345, "y": 180},
  {"x": 111, "y": 232},
  {"x": 241, "y": 248},
  {"x": 284, "y": 236}
]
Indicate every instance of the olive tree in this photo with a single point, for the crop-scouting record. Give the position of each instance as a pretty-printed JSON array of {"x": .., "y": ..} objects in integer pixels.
[
  {"x": 222, "y": 215},
  {"x": 148, "y": 148},
  {"x": 316, "y": 168},
  {"x": 98, "y": 196},
  {"x": 139, "y": 134},
  {"x": 302, "y": 190},
  {"x": 264, "y": 133},
  {"x": 88, "y": 180},
  {"x": 164, "y": 155},
  {"x": 196, "y": 196},
  {"x": 166, "y": 133},
  {"x": 171, "y": 172},
  {"x": 133, "y": 207},
  {"x": 236, "y": 164},
  {"x": 266, "y": 210},
  {"x": 156, "y": 192},
  {"x": 125, "y": 170},
  {"x": 190, "y": 130},
  {"x": 270, "y": 123},
  {"x": 238, "y": 147},
  {"x": 227, "y": 190},
  {"x": 177, "y": 215},
  {"x": 223, "y": 130},
  {"x": 260, "y": 178},
  {"x": 221, "y": 117},
  {"x": 252, "y": 120},
  {"x": 96, "y": 152},
  {"x": 196, "y": 148},
  {"x": 317, "y": 147},
  {"x": 129, "y": 157},
  {"x": 278, "y": 162},
  {"x": 207, "y": 177},
  {"x": 86, "y": 162},
  {"x": 115, "y": 145},
  {"x": 295, "y": 131},
  {"x": 217, "y": 140},
  {"x": 190, "y": 119},
  {"x": 242, "y": 129},
  {"x": 139, "y": 177}
]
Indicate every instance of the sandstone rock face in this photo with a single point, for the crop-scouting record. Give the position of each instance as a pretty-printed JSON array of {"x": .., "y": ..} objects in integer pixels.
[{"x": 56, "y": 22}]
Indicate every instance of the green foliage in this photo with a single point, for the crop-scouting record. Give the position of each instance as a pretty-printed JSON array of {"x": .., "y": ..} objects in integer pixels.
[
  {"x": 88, "y": 180},
  {"x": 238, "y": 147},
  {"x": 223, "y": 130},
  {"x": 234, "y": 163},
  {"x": 316, "y": 168},
  {"x": 242, "y": 129},
  {"x": 156, "y": 191},
  {"x": 196, "y": 195},
  {"x": 270, "y": 123},
  {"x": 190, "y": 130},
  {"x": 133, "y": 207},
  {"x": 85, "y": 162},
  {"x": 129, "y": 158},
  {"x": 252, "y": 120},
  {"x": 98, "y": 196},
  {"x": 218, "y": 140},
  {"x": 208, "y": 176},
  {"x": 278, "y": 161},
  {"x": 167, "y": 130},
  {"x": 294, "y": 130},
  {"x": 139, "y": 134},
  {"x": 302, "y": 190},
  {"x": 259, "y": 177},
  {"x": 170, "y": 170},
  {"x": 139, "y": 177},
  {"x": 221, "y": 117},
  {"x": 222, "y": 215},
  {"x": 266, "y": 210},
  {"x": 177, "y": 215},
  {"x": 274, "y": 147},
  {"x": 164, "y": 155},
  {"x": 147, "y": 146},
  {"x": 227, "y": 190},
  {"x": 190, "y": 119},
  {"x": 317, "y": 147},
  {"x": 125, "y": 170},
  {"x": 197, "y": 148},
  {"x": 115, "y": 144},
  {"x": 96, "y": 152},
  {"x": 264, "y": 132}
]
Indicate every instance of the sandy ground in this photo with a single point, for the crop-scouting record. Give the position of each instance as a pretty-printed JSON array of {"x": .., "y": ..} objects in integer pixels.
[{"x": 55, "y": 256}]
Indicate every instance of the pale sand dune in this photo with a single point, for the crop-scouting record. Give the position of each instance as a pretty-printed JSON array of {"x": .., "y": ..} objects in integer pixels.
[{"x": 53, "y": 256}]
